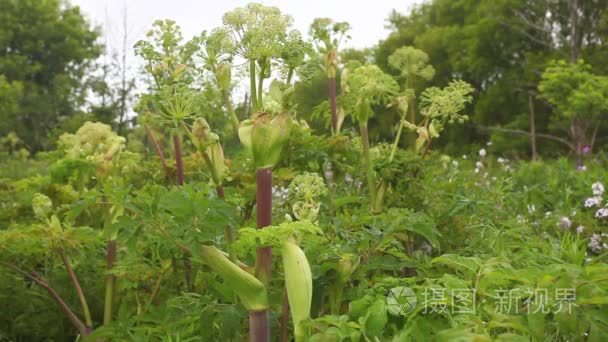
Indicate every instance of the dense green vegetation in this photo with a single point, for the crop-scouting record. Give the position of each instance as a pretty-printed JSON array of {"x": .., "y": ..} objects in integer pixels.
[{"x": 383, "y": 194}]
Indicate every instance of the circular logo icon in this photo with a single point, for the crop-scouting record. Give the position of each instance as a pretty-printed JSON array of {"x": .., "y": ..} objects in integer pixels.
[{"x": 401, "y": 301}]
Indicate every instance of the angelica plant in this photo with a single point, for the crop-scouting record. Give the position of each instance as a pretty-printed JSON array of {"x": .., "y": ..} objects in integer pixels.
[
  {"x": 177, "y": 104},
  {"x": 305, "y": 193},
  {"x": 259, "y": 33},
  {"x": 217, "y": 50},
  {"x": 412, "y": 65},
  {"x": 97, "y": 143},
  {"x": 167, "y": 59},
  {"x": 439, "y": 107},
  {"x": 328, "y": 35},
  {"x": 295, "y": 54},
  {"x": 264, "y": 137},
  {"x": 368, "y": 86},
  {"x": 165, "y": 54}
]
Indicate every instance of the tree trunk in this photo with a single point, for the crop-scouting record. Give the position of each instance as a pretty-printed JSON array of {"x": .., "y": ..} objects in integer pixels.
[
  {"x": 532, "y": 126},
  {"x": 331, "y": 90}
]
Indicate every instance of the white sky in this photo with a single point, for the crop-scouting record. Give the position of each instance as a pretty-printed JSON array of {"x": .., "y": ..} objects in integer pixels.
[{"x": 367, "y": 18}]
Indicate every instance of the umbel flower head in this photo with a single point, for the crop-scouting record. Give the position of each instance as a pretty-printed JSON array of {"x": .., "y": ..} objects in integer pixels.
[
  {"x": 265, "y": 136},
  {"x": 176, "y": 103},
  {"x": 95, "y": 142}
]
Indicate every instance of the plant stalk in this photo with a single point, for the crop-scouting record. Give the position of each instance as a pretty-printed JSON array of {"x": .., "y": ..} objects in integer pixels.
[
  {"x": 77, "y": 287},
  {"x": 76, "y": 322},
  {"x": 252, "y": 88},
  {"x": 284, "y": 317},
  {"x": 230, "y": 107},
  {"x": 179, "y": 163},
  {"x": 331, "y": 90},
  {"x": 371, "y": 180},
  {"x": 110, "y": 282},
  {"x": 264, "y": 219},
  {"x": 160, "y": 154},
  {"x": 258, "y": 326},
  {"x": 261, "y": 88}
]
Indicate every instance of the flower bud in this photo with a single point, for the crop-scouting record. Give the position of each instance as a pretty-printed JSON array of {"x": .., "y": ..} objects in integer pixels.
[
  {"x": 250, "y": 290},
  {"x": 298, "y": 281},
  {"x": 401, "y": 104},
  {"x": 216, "y": 154},
  {"x": 434, "y": 129},
  {"x": 346, "y": 267},
  {"x": 265, "y": 137},
  {"x": 423, "y": 137},
  {"x": 202, "y": 136}
]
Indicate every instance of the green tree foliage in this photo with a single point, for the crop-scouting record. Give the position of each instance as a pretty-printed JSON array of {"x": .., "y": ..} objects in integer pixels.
[
  {"x": 501, "y": 48},
  {"x": 574, "y": 90},
  {"x": 45, "y": 49}
]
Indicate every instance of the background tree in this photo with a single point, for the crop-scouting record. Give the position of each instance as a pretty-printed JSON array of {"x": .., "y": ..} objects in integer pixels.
[
  {"x": 46, "y": 46},
  {"x": 502, "y": 49}
]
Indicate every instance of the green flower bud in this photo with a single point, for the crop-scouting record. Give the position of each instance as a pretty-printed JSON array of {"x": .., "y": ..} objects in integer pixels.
[
  {"x": 401, "y": 104},
  {"x": 434, "y": 129},
  {"x": 42, "y": 206},
  {"x": 423, "y": 137},
  {"x": 250, "y": 290},
  {"x": 346, "y": 267},
  {"x": 202, "y": 136},
  {"x": 216, "y": 154},
  {"x": 265, "y": 137},
  {"x": 298, "y": 281}
]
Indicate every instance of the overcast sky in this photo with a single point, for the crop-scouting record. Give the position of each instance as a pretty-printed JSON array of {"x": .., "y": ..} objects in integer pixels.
[{"x": 367, "y": 18}]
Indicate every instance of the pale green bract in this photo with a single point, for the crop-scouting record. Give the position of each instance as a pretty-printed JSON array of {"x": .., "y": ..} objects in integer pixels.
[
  {"x": 42, "y": 206},
  {"x": 94, "y": 141},
  {"x": 298, "y": 282}
]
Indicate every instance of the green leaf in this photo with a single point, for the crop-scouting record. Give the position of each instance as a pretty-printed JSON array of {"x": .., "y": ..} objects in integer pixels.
[
  {"x": 376, "y": 318},
  {"x": 469, "y": 265}
]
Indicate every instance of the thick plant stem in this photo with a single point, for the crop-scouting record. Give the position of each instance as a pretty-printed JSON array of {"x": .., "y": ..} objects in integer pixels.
[
  {"x": 219, "y": 190},
  {"x": 377, "y": 205},
  {"x": 331, "y": 90},
  {"x": 160, "y": 154},
  {"x": 110, "y": 282},
  {"x": 284, "y": 317},
  {"x": 179, "y": 167},
  {"x": 179, "y": 163},
  {"x": 258, "y": 326},
  {"x": 230, "y": 107},
  {"x": 289, "y": 76},
  {"x": 264, "y": 219},
  {"x": 261, "y": 88},
  {"x": 412, "y": 111},
  {"x": 77, "y": 287},
  {"x": 76, "y": 322},
  {"x": 252, "y": 88},
  {"x": 396, "y": 143},
  {"x": 332, "y": 66},
  {"x": 367, "y": 164}
]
